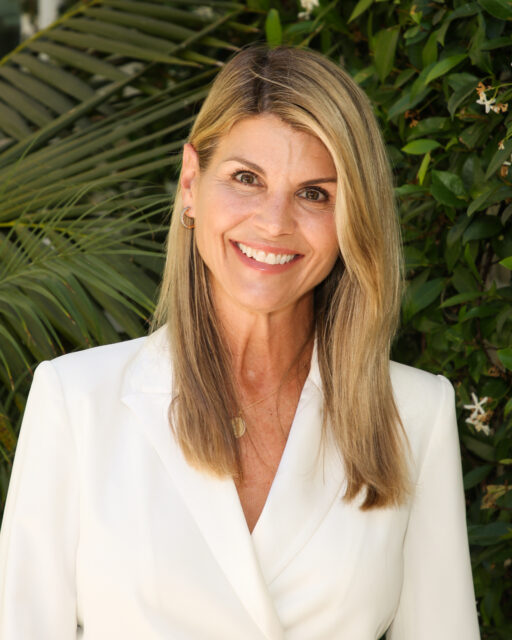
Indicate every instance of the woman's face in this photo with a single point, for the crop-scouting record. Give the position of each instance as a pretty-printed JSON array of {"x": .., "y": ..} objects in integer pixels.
[{"x": 264, "y": 214}]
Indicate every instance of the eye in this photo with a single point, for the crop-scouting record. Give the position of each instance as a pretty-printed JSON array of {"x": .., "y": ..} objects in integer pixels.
[
  {"x": 244, "y": 177},
  {"x": 314, "y": 194}
]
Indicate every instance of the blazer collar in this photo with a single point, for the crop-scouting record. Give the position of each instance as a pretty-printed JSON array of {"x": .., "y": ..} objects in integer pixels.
[
  {"x": 150, "y": 371},
  {"x": 303, "y": 491}
]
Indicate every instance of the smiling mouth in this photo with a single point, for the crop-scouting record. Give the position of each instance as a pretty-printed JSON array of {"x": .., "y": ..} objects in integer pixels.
[{"x": 263, "y": 256}]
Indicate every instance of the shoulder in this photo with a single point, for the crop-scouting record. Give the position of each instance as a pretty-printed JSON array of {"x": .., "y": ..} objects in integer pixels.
[
  {"x": 108, "y": 368},
  {"x": 425, "y": 402},
  {"x": 412, "y": 385},
  {"x": 97, "y": 364}
]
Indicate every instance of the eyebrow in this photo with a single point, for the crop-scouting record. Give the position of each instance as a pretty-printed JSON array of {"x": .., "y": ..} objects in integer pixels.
[{"x": 259, "y": 169}]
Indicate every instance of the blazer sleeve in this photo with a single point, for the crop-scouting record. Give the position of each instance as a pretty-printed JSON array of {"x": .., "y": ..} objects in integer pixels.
[
  {"x": 437, "y": 598},
  {"x": 40, "y": 528}
]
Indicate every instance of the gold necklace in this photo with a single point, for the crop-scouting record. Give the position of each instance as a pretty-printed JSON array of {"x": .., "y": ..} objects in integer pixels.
[{"x": 238, "y": 423}]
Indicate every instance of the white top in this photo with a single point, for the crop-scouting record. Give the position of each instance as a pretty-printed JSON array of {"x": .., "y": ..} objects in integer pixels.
[{"x": 109, "y": 534}]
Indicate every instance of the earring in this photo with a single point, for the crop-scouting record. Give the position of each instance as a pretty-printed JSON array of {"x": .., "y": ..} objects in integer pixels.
[{"x": 183, "y": 215}]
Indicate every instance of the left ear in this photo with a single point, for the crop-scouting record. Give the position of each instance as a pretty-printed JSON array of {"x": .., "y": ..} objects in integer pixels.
[{"x": 189, "y": 177}]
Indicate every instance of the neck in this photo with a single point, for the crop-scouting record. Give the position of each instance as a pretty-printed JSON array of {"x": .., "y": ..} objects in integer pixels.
[{"x": 268, "y": 348}]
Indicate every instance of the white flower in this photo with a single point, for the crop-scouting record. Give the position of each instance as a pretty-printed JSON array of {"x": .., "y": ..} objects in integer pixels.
[
  {"x": 478, "y": 415},
  {"x": 487, "y": 102},
  {"x": 308, "y": 6},
  {"x": 479, "y": 425},
  {"x": 477, "y": 406}
]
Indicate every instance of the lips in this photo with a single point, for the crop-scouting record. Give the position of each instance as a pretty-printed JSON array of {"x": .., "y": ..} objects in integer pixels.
[{"x": 260, "y": 258}]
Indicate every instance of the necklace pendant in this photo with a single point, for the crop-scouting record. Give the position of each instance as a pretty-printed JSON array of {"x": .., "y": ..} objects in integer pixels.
[{"x": 238, "y": 426}]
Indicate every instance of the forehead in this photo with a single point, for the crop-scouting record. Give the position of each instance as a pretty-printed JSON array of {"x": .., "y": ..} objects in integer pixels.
[{"x": 267, "y": 139}]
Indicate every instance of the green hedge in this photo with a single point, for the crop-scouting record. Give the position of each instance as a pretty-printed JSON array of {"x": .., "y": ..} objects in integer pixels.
[{"x": 440, "y": 77}]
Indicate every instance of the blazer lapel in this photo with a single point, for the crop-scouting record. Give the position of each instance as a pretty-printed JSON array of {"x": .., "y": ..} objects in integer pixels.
[
  {"x": 309, "y": 481},
  {"x": 212, "y": 502}
]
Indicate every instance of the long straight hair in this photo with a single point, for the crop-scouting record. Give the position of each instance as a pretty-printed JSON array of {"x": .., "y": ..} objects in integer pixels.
[{"x": 356, "y": 306}]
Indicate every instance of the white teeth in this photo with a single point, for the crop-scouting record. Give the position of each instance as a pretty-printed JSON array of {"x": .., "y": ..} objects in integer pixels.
[{"x": 268, "y": 258}]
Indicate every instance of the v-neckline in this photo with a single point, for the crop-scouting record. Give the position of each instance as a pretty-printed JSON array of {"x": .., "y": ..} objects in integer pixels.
[
  {"x": 308, "y": 480},
  {"x": 283, "y": 461},
  {"x": 300, "y": 496}
]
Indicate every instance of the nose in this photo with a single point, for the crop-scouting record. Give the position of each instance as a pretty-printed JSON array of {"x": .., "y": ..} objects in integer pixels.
[{"x": 275, "y": 216}]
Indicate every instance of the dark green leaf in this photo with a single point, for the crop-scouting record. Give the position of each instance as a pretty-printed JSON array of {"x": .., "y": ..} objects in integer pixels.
[
  {"x": 501, "y": 9},
  {"x": 429, "y": 53},
  {"x": 490, "y": 196},
  {"x": 273, "y": 28},
  {"x": 496, "y": 43},
  {"x": 460, "y": 80},
  {"x": 499, "y": 157},
  {"x": 460, "y": 298},
  {"x": 476, "y": 476},
  {"x": 460, "y": 95},
  {"x": 414, "y": 258},
  {"x": 403, "y": 77},
  {"x": 419, "y": 295},
  {"x": 360, "y": 8},
  {"x": 385, "y": 48},
  {"x": 478, "y": 133},
  {"x": 422, "y": 171},
  {"x": 429, "y": 126},
  {"x": 406, "y": 101},
  {"x": 505, "y": 356},
  {"x": 484, "y": 227},
  {"x": 487, "y": 534},
  {"x": 463, "y": 281},
  {"x": 443, "y": 66},
  {"x": 481, "y": 449},
  {"x": 419, "y": 147},
  {"x": 462, "y": 11},
  {"x": 448, "y": 188},
  {"x": 409, "y": 189},
  {"x": 455, "y": 233},
  {"x": 364, "y": 74}
]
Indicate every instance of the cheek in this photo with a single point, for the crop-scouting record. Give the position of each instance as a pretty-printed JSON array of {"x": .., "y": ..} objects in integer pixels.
[
  {"x": 216, "y": 215},
  {"x": 222, "y": 208},
  {"x": 321, "y": 232}
]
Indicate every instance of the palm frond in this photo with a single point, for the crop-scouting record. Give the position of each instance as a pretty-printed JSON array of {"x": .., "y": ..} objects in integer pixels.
[{"x": 93, "y": 113}]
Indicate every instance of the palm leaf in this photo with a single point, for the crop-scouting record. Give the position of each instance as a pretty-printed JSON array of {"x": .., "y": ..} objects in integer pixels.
[{"x": 93, "y": 113}]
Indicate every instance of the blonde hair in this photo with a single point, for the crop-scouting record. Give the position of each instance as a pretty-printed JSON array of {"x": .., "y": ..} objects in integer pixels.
[{"x": 356, "y": 306}]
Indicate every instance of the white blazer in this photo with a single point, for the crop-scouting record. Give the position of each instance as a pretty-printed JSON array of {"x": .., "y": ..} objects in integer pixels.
[{"x": 110, "y": 535}]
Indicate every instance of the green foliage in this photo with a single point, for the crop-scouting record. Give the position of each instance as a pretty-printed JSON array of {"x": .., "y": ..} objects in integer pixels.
[
  {"x": 273, "y": 28},
  {"x": 93, "y": 114},
  {"x": 424, "y": 65},
  {"x": 100, "y": 116}
]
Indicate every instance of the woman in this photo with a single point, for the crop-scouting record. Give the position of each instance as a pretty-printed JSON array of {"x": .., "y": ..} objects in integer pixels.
[{"x": 255, "y": 468}]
